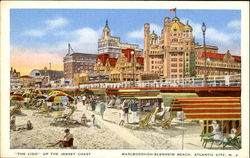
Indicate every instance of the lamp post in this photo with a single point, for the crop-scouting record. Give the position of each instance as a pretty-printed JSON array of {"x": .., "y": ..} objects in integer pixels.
[
  {"x": 203, "y": 28},
  {"x": 99, "y": 80},
  {"x": 133, "y": 65}
]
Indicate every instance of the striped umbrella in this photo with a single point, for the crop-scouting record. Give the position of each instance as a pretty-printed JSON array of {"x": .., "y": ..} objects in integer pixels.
[
  {"x": 36, "y": 91},
  {"x": 55, "y": 92},
  {"x": 28, "y": 95},
  {"x": 40, "y": 96},
  {"x": 59, "y": 99},
  {"x": 15, "y": 97}
]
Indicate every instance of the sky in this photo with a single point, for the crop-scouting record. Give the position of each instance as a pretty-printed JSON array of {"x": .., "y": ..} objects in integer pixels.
[{"x": 41, "y": 36}]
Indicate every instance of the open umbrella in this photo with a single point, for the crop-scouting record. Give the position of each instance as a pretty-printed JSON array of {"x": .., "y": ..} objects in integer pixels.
[
  {"x": 54, "y": 92},
  {"x": 15, "y": 97},
  {"x": 28, "y": 95},
  {"x": 36, "y": 91},
  {"x": 40, "y": 96},
  {"x": 59, "y": 99}
]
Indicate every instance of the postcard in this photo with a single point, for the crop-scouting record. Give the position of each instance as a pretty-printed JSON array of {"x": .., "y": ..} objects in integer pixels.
[{"x": 124, "y": 79}]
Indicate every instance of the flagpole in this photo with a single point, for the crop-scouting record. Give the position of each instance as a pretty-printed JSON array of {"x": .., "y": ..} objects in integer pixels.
[{"x": 175, "y": 12}]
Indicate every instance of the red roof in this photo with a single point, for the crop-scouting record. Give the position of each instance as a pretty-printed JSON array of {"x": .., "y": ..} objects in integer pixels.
[
  {"x": 237, "y": 58},
  {"x": 26, "y": 76},
  {"x": 112, "y": 61},
  {"x": 127, "y": 53},
  {"x": 219, "y": 56},
  {"x": 103, "y": 58},
  {"x": 140, "y": 60},
  {"x": 213, "y": 55}
]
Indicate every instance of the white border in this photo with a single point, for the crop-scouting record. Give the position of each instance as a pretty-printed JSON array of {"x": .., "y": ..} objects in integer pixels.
[{"x": 5, "y": 68}]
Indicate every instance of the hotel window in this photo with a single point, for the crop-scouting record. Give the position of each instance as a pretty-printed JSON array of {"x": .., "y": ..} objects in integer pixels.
[
  {"x": 180, "y": 59},
  {"x": 180, "y": 65},
  {"x": 173, "y": 59},
  {"x": 173, "y": 70},
  {"x": 174, "y": 65}
]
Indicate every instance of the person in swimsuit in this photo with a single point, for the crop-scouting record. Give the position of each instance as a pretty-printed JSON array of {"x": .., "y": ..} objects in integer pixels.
[{"x": 66, "y": 142}]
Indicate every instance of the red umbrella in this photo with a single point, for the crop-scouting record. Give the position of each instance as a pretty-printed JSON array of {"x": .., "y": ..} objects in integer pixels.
[
  {"x": 15, "y": 97},
  {"x": 40, "y": 96}
]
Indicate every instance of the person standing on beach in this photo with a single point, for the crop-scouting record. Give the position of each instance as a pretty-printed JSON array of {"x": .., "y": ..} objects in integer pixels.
[
  {"x": 93, "y": 104},
  {"x": 133, "y": 108},
  {"x": 83, "y": 100},
  {"x": 102, "y": 108},
  {"x": 13, "y": 123},
  {"x": 126, "y": 108}
]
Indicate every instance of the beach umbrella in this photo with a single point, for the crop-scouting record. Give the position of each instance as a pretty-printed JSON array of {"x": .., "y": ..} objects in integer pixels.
[
  {"x": 36, "y": 91},
  {"x": 40, "y": 96},
  {"x": 15, "y": 93},
  {"x": 15, "y": 97},
  {"x": 59, "y": 99},
  {"x": 28, "y": 95},
  {"x": 54, "y": 92}
]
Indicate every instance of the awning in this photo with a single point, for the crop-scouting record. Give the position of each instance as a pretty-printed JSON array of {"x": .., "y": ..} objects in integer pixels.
[{"x": 211, "y": 108}]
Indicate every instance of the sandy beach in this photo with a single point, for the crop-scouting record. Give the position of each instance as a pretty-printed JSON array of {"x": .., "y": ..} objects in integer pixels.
[{"x": 109, "y": 136}]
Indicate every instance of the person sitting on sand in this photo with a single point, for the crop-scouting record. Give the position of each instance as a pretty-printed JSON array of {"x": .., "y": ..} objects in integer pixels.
[
  {"x": 93, "y": 121},
  {"x": 84, "y": 120},
  {"x": 29, "y": 125},
  {"x": 67, "y": 142},
  {"x": 13, "y": 123}
]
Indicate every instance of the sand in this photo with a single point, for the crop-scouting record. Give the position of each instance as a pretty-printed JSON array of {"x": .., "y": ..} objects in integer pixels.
[{"x": 109, "y": 136}]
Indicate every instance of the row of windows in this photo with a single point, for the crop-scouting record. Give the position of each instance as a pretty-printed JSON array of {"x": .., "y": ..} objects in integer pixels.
[
  {"x": 156, "y": 67},
  {"x": 157, "y": 62},
  {"x": 175, "y": 65},
  {"x": 176, "y": 59}
]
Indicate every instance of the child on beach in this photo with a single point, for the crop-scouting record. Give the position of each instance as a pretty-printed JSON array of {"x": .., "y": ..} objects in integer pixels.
[
  {"x": 84, "y": 120},
  {"x": 122, "y": 118},
  {"x": 93, "y": 121},
  {"x": 13, "y": 123}
]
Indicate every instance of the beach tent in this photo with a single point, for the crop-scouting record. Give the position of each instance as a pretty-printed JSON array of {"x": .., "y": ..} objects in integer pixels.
[
  {"x": 168, "y": 98},
  {"x": 226, "y": 110}
]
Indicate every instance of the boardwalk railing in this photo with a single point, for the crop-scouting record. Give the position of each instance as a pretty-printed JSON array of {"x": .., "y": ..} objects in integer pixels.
[{"x": 212, "y": 81}]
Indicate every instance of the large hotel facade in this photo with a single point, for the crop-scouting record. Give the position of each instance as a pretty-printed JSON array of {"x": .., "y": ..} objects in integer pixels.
[
  {"x": 111, "y": 45},
  {"x": 175, "y": 54},
  {"x": 77, "y": 63}
]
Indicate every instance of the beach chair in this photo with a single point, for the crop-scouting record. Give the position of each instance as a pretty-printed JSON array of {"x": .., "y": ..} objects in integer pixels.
[{"x": 144, "y": 122}]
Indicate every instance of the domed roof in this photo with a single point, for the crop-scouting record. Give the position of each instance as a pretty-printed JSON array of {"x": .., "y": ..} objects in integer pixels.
[
  {"x": 153, "y": 35},
  {"x": 188, "y": 27},
  {"x": 176, "y": 25},
  {"x": 175, "y": 19}
]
